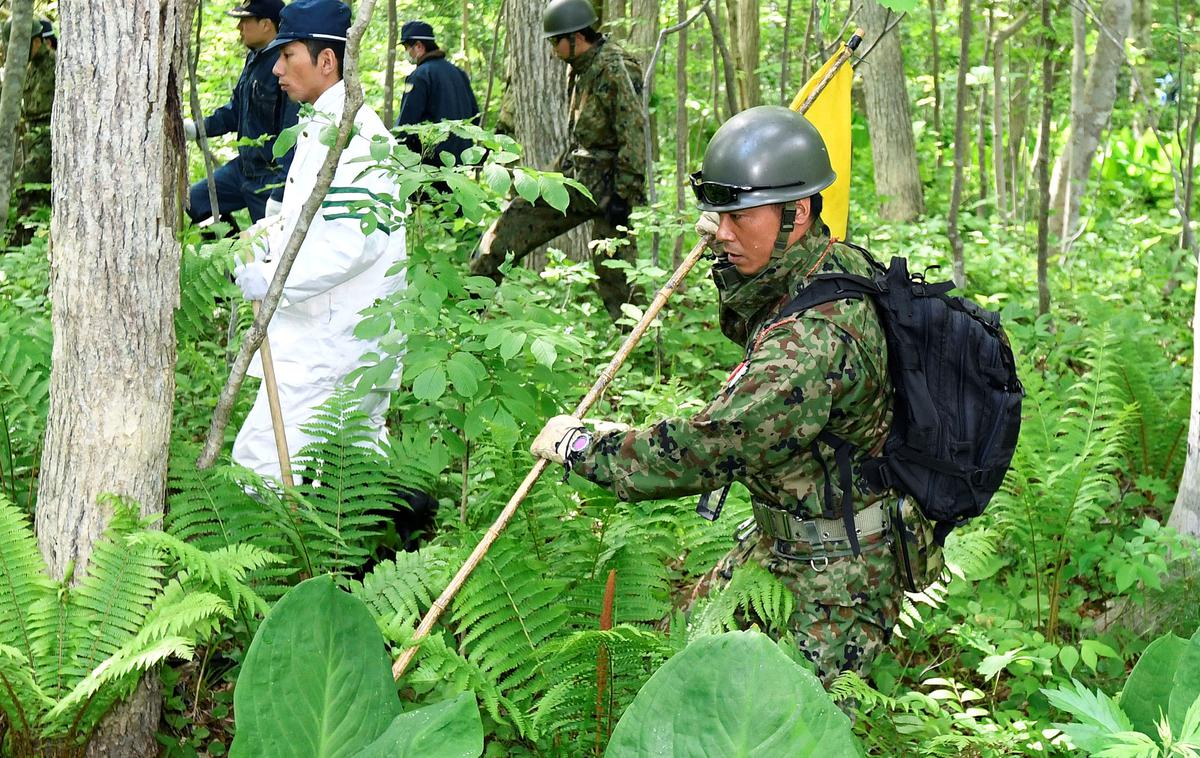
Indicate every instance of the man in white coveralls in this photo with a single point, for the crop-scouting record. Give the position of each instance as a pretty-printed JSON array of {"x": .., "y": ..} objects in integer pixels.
[{"x": 339, "y": 270}]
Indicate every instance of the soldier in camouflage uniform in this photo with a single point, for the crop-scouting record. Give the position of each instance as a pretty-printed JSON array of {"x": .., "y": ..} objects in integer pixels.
[
  {"x": 606, "y": 153},
  {"x": 31, "y": 166},
  {"x": 824, "y": 371}
]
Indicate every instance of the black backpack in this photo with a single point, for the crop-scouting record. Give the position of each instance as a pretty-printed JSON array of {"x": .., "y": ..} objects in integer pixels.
[{"x": 956, "y": 411}]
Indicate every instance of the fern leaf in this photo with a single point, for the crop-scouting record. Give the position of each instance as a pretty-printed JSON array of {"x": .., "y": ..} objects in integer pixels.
[{"x": 23, "y": 583}]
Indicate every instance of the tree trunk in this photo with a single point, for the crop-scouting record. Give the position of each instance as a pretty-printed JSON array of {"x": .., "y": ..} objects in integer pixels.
[
  {"x": 897, "y": 179},
  {"x": 1185, "y": 516},
  {"x": 1018, "y": 119},
  {"x": 537, "y": 88},
  {"x": 1043, "y": 162},
  {"x": 714, "y": 22},
  {"x": 960, "y": 142},
  {"x": 935, "y": 70},
  {"x": 981, "y": 117},
  {"x": 744, "y": 31},
  {"x": 785, "y": 67},
  {"x": 644, "y": 34},
  {"x": 999, "y": 150},
  {"x": 1089, "y": 115},
  {"x": 115, "y": 287},
  {"x": 681, "y": 124},
  {"x": 389, "y": 74},
  {"x": 15, "y": 63}
]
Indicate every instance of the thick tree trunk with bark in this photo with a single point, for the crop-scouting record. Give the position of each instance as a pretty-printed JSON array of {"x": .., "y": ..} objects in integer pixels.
[
  {"x": 15, "y": 62},
  {"x": 897, "y": 180},
  {"x": 960, "y": 142},
  {"x": 1091, "y": 108},
  {"x": 115, "y": 287},
  {"x": 537, "y": 88}
]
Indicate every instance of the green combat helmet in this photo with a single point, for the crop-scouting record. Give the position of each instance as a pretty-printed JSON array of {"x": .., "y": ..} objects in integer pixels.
[
  {"x": 566, "y": 16},
  {"x": 35, "y": 31},
  {"x": 763, "y": 156}
]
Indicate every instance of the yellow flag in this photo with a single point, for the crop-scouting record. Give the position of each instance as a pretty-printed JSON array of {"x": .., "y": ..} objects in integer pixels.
[{"x": 830, "y": 113}]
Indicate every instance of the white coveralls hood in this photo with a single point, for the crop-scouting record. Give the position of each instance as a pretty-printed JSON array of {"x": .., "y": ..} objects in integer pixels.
[{"x": 337, "y": 273}]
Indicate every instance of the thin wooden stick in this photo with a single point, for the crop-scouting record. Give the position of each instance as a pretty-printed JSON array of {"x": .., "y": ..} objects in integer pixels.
[
  {"x": 598, "y": 388},
  {"x": 268, "y": 368}
]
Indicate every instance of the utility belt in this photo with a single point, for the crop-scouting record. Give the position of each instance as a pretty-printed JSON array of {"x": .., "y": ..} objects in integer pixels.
[{"x": 821, "y": 540}]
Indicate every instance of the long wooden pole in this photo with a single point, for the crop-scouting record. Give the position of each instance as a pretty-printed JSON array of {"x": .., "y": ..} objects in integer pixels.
[
  {"x": 268, "y": 367},
  {"x": 606, "y": 376}
]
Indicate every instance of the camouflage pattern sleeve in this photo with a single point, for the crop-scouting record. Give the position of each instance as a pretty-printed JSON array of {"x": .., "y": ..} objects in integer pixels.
[
  {"x": 758, "y": 422},
  {"x": 629, "y": 124}
]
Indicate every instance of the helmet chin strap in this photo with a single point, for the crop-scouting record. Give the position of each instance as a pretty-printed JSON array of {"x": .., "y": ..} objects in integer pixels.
[
  {"x": 787, "y": 222},
  {"x": 571, "y": 49}
]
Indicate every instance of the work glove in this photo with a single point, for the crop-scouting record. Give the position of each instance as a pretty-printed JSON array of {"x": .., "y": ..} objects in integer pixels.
[
  {"x": 252, "y": 280},
  {"x": 616, "y": 212},
  {"x": 566, "y": 435},
  {"x": 274, "y": 207},
  {"x": 559, "y": 438},
  {"x": 707, "y": 224},
  {"x": 189, "y": 129}
]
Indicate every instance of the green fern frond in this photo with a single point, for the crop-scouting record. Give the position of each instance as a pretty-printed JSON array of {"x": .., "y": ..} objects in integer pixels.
[
  {"x": 204, "y": 292},
  {"x": 22, "y": 700},
  {"x": 568, "y": 709},
  {"x": 752, "y": 594},
  {"x": 121, "y": 583},
  {"x": 23, "y": 582},
  {"x": 225, "y": 569},
  {"x": 400, "y": 590},
  {"x": 504, "y": 616},
  {"x": 348, "y": 486},
  {"x": 439, "y": 664}
]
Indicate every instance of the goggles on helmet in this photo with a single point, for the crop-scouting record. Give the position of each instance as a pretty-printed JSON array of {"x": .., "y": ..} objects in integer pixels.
[{"x": 719, "y": 193}]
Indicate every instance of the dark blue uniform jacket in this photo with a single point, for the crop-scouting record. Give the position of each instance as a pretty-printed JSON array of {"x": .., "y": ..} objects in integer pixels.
[
  {"x": 257, "y": 107},
  {"x": 437, "y": 91}
]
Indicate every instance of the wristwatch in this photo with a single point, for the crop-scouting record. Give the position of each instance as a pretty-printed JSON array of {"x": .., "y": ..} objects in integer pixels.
[{"x": 577, "y": 445}]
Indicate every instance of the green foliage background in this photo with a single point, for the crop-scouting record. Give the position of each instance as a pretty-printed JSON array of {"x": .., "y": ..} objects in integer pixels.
[{"x": 1068, "y": 576}]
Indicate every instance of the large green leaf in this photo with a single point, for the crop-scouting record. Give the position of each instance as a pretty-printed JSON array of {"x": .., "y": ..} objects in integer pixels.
[
  {"x": 1187, "y": 683},
  {"x": 731, "y": 695},
  {"x": 316, "y": 682},
  {"x": 1147, "y": 694},
  {"x": 450, "y": 729}
]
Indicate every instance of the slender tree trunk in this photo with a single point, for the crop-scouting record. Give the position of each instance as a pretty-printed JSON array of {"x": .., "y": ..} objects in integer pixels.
[
  {"x": 1060, "y": 174},
  {"x": 935, "y": 65},
  {"x": 1141, "y": 21},
  {"x": 1043, "y": 162},
  {"x": 464, "y": 43},
  {"x": 537, "y": 86},
  {"x": 897, "y": 179},
  {"x": 1185, "y": 516},
  {"x": 744, "y": 32},
  {"x": 681, "y": 124},
  {"x": 960, "y": 142},
  {"x": 785, "y": 67},
  {"x": 981, "y": 101},
  {"x": 389, "y": 74},
  {"x": 999, "y": 150},
  {"x": 642, "y": 41},
  {"x": 731, "y": 93},
  {"x": 1018, "y": 118},
  {"x": 115, "y": 287},
  {"x": 15, "y": 63},
  {"x": 1089, "y": 115},
  {"x": 813, "y": 10}
]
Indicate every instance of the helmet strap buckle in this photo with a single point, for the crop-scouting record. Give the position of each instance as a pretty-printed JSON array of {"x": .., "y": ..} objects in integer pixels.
[{"x": 787, "y": 223}]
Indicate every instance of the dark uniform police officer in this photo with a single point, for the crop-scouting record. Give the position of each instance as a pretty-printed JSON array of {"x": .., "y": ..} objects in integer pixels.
[
  {"x": 436, "y": 90},
  {"x": 257, "y": 109},
  {"x": 606, "y": 153},
  {"x": 823, "y": 371}
]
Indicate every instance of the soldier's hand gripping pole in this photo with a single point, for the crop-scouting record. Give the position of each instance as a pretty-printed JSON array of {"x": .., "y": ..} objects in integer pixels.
[{"x": 606, "y": 376}]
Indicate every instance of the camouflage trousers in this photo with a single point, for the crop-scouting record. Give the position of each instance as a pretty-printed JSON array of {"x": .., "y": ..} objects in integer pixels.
[
  {"x": 845, "y": 610},
  {"x": 524, "y": 226},
  {"x": 31, "y": 176}
]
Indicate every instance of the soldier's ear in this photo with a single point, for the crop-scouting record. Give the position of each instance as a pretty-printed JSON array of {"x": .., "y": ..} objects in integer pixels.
[{"x": 803, "y": 211}]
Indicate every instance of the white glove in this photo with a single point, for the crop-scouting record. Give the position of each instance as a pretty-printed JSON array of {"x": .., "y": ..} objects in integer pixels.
[
  {"x": 602, "y": 427},
  {"x": 707, "y": 224},
  {"x": 189, "y": 129},
  {"x": 252, "y": 279},
  {"x": 274, "y": 207},
  {"x": 559, "y": 438}
]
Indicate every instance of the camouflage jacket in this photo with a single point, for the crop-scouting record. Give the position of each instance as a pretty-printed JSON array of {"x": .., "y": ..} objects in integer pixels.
[
  {"x": 826, "y": 369},
  {"x": 607, "y": 143}
]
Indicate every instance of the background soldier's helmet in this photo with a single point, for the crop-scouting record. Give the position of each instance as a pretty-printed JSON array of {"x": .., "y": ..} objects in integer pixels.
[
  {"x": 566, "y": 16},
  {"x": 762, "y": 156},
  {"x": 38, "y": 28}
]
